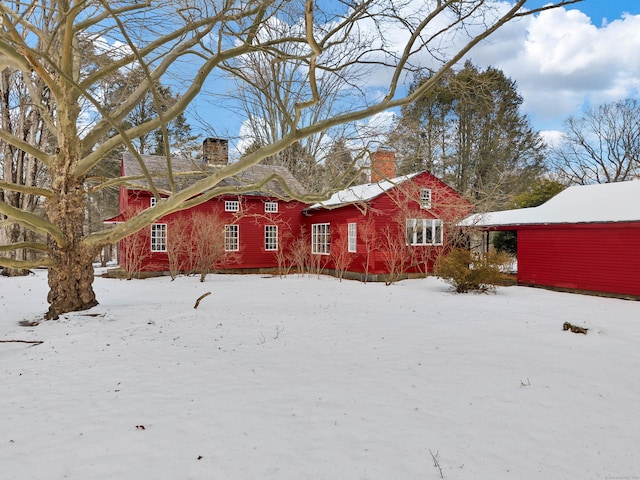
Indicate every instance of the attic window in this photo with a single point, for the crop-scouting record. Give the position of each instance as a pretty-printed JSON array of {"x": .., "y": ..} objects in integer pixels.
[
  {"x": 231, "y": 206},
  {"x": 271, "y": 207},
  {"x": 425, "y": 198},
  {"x": 152, "y": 201}
]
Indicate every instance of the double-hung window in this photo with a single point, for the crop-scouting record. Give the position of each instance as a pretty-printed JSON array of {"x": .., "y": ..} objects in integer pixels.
[
  {"x": 271, "y": 237},
  {"x": 424, "y": 231},
  {"x": 159, "y": 237},
  {"x": 152, "y": 202},
  {"x": 320, "y": 238},
  {"x": 231, "y": 238},
  {"x": 352, "y": 237}
]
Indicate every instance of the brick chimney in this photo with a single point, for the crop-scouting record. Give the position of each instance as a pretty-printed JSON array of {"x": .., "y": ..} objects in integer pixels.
[
  {"x": 383, "y": 165},
  {"x": 215, "y": 152}
]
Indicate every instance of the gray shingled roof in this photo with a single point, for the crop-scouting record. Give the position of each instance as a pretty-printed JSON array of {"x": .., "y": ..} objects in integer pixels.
[{"x": 157, "y": 165}]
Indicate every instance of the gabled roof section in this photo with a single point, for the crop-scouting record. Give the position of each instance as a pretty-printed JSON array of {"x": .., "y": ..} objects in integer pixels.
[
  {"x": 361, "y": 193},
  {"x": 196, "y": 170},
  {"x": 606, "y": 202}
]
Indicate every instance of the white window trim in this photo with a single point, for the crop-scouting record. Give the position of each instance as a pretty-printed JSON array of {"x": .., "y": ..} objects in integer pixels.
[
  {"x": 158, "y": 243},
  {"x": 433, "y": 224},
  {"x": 231, "y": 206},
  {"x": 270, "y": 241},
  {"x": 270, "y": 207},
  {"x": 352, "y": 237},
  {"x": 425, "y": 198},
  {"x": 152, "y": 201},
  {"x": 320, "y": 238},
  {"x": 231, "y": 233}
]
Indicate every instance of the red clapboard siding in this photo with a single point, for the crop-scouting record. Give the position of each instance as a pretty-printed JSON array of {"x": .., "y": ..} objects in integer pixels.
[
  {"x": 251, "y": 221},
  {"x": 602, "y": 257},
  {"x": 389, "y": 211}
]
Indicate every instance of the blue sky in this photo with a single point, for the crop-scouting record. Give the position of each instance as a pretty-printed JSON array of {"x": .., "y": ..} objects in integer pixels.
[
  {"x": 598, "y": 10},
  {"x": 567, "y": 59},
  {"x": 570, "y": 58},
  {"x": 562, "y": 60}
]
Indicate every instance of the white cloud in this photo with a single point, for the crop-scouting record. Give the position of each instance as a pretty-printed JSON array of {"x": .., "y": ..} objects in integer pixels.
[
  {"x": 559, "y": 58},
  {"x": 562, "y": 61},
  {"x": 553, "y": 138},
  {"x": 116, "y": 49}
]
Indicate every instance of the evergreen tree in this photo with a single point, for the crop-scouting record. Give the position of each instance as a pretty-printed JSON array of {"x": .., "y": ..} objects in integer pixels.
[
  {"x": 340, "y": 167},
  {"x": 469, "y": 131}
]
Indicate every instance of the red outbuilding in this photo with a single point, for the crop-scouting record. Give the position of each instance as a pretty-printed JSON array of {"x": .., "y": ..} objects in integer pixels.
[{"x": 586, "y": 238}]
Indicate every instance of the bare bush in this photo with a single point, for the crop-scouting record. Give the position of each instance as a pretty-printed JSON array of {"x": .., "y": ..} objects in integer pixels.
[
  {"x": 340, "y": 254},
  {"x": 369, "y": 238},
  {"x": 396, "y": 254},
  {"x": 179, "y": 248},
  {"x": 136, "y": 251},
  {"x": 197, "y": 245},
  {"x": 299, "y": 252},
  {"x": 282, "y": 254},
  {"x": 207, "y": 234}
]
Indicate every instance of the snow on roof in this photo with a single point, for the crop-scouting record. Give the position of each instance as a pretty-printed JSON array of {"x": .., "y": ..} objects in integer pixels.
[
  {"x": 361, "y": 193},
  {"x": 606, "y": 202}
]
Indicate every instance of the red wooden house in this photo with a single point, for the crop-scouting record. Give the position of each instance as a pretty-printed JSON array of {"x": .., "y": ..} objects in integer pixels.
[
  {"x": 237, "y": 231},
  {"x": 390, "y": 227},
  {"x": 586, "y": 238}
]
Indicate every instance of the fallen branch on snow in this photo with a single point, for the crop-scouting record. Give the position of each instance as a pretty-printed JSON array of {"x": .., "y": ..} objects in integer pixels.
[
  {"x": 200, "y": 298},
  {"x": 35, "y": 342},
  {"x": 574, "y": 328},
  {"x": 436, "y": 463}
]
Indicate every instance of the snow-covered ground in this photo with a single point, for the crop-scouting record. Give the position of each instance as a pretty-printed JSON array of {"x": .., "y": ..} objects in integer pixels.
[{"x": 312, "y": 378}]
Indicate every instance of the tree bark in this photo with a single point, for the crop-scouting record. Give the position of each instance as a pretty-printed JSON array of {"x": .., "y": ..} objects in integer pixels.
[
  {"x": 71, "y": 277},
  {"x": 71, "y": 282}
]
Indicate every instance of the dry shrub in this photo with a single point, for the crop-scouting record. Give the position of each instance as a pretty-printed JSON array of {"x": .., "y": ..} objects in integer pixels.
[
  {"x": 340, "y": 254},
  {"x": 282, "y": 254},
  {"x": 197, "y": 246},
  {"x": 135, "y": 253},
  {"x": 396, "y": 254},
  {"x": 467, "y": 271},
  {"x": 299, "y": 252}
]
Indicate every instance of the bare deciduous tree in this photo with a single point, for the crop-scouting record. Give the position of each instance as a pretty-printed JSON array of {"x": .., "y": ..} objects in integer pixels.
[
  {"x": 602, "y": 145},
  {"x": 49, "y": 41},
  {"x": 21, "y": 117}
]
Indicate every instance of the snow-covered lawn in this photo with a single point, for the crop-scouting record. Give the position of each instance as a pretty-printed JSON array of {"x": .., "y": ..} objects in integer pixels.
[{"x": 311, "y": 378}]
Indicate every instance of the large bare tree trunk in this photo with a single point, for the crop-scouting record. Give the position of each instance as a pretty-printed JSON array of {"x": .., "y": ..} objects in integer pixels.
[
  {"x": 71, "y": 283},
  {"x": 71, "y": 279}
]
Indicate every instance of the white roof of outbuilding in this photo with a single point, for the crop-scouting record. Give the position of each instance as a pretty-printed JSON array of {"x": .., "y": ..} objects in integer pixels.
[
  {"x": 361, "y": 193},
  {"x": 606, "y": 202}
]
